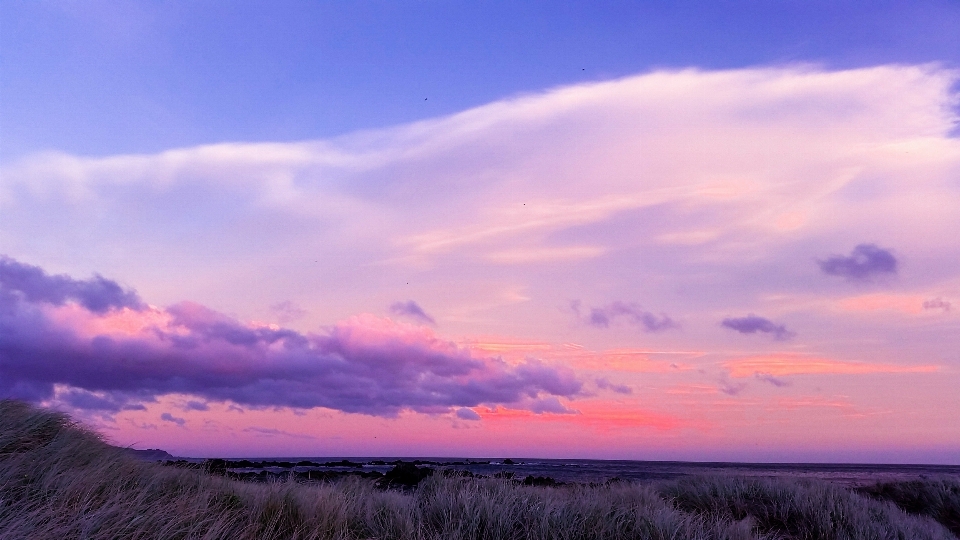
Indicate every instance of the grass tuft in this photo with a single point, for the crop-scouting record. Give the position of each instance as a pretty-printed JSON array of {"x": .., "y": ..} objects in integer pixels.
[{"x": 938, "y": 498}]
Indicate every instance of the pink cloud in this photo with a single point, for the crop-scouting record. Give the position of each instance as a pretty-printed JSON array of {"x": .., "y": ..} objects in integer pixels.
[
  {"x": 577, "y": 356},
  {"x": 124, "y": 355},
  {"x": 910, "y": 304},
  {"x": 789, "y": 364},
  {"x": 597, "y": 416}
]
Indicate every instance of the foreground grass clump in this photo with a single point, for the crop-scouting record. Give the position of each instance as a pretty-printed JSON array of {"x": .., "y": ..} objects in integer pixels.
[
  {"x": 59, "y": 480},
  {"x": 938, "y": 498},
  {"x": 799, "y": 509}
]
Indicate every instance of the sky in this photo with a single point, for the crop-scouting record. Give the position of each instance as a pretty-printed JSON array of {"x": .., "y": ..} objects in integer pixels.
[{"x": 648, "y": 230}]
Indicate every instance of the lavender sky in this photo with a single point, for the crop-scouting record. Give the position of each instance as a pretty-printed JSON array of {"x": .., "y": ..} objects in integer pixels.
[{"x": 641, "y": 231}]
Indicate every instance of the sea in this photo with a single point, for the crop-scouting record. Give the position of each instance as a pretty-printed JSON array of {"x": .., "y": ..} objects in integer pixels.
[{"x": 599, "y": 471}]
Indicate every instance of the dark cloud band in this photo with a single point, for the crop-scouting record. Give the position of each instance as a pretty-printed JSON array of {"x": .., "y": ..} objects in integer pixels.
[{"x": 364, "y": 365}]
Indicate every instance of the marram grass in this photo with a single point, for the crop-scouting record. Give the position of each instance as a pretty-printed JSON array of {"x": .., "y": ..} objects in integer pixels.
[{"x": 59, "y": 480}]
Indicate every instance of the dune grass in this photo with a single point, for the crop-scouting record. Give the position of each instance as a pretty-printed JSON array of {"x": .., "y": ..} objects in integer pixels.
[
  {"x": 938, "y": 498},
  {"x": 60, "y": 480},
  {"x": 800, "y": 509}
]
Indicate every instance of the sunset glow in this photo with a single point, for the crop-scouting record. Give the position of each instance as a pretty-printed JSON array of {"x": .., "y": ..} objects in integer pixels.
[{"x": 754, "y": 258}]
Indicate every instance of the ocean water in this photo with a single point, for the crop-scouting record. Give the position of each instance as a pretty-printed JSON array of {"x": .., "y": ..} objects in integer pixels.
[{"x": 588, "y": 470}]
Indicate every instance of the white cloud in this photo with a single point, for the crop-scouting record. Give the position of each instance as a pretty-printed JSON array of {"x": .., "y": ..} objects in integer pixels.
[{"x": 689, "y": 179}]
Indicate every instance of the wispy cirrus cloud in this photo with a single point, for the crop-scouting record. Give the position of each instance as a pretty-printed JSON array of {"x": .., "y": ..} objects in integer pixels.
[
  {"x": 768, "y": 378},
  {"x": 905, "y": 303},
  {"x": 787, "y": 364},
  {"x": 273, "y": 432},
  {"x": 732, "y": 388},
  {"x": 507, "y": 187},
  {"x": 623, "y": 360},
  {"x": 287, "y": 311},
  {"x": 365, "y": 365}
]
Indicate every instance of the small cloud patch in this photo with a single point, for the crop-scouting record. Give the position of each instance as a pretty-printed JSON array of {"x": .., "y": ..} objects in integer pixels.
[
  {"x": 167, "y": 417},
  {"x": 550, "y": 404},
  {"x": 865, "y": 262},
  {"x": 413, "y": 311},
  {"x": 731, "y": 388},
  {"x": 753, "y": 324},
  {"x": 768, "y": 378},
  {"x": 97, "y": 294},
  {"x": 271, "y": 432},
  {"x": 605, "y": 384},
  {"x": 287, "y": 311},
  {"x": 196, "y": 406},
  {"x": 603, "y": 317},
  {"x": 464, "y": 413},
  {"x": 79, "y": 398},
  {"x": 937, "y": 303}
]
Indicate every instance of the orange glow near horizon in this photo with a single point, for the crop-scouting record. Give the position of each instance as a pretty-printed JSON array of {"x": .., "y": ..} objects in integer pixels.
[
  {"x": 679, "y": 403},
  {"x": 783, "y": 365},
  {"x": 577, "y": 356},
  {"x": 909, "y": 304}
]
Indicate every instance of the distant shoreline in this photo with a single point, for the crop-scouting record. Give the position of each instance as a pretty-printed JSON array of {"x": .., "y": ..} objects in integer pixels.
[{"x": 574, "y": 470}]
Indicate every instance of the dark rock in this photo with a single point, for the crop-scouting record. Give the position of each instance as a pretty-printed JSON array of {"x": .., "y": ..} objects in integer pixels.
[
  {"x": 540, "y": 481},
  {"x": 280, "y": 464},
  {"x": 343, "y": 463},
  {"x": 508, "y": 461},
  {"x": 215, "y": 466},
  {"x": 320, "y": 476},
  {"x": 405, "y": 474},
  {"x": 456, "y": 473},
  {"x": 328, "y": 476}
]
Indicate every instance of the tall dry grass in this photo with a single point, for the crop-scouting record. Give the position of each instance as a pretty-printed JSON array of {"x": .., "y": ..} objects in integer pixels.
[
  {"x": 938, "y": 498},
  {"x": 61, "y": 481},
  {"x": 800, "y": 509}
]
